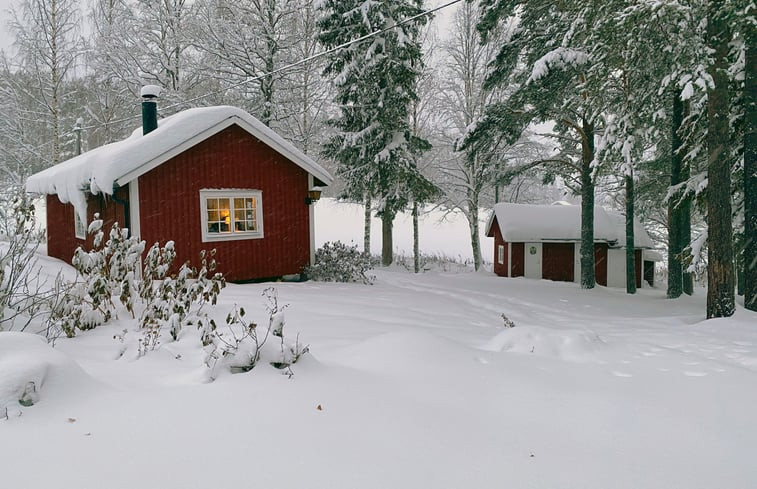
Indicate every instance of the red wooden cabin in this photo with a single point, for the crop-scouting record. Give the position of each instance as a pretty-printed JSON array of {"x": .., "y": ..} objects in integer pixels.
[
  {"x": 205, "y": 178},
  {"x": 543, "y": 241}
]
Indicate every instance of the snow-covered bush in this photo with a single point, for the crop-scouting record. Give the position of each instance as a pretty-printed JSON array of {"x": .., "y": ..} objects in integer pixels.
[
  {"x": 23, "y": 293},
  {"x": 176, "y": 302},
  {"x": 338, "y": 262},
  {"x": 240, "y": 347},
  {"x": 112, "y": 269},
  {"x": 109, "y": 268}
]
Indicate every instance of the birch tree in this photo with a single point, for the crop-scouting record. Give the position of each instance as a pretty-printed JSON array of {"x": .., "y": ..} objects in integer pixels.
[
  {"x": 46, "y": 38},
  {"x": 245, "y": 42},
  {"x": 463, "y": 99}
]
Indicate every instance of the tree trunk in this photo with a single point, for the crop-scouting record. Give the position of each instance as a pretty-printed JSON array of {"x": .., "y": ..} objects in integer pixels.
[
  {"x": 473, "y": 228},
  {"x": 54, "y": 79},
  {"x": 367, "y": 227},
  {"x": 416, "y": 244},
  {"x": 588, "y": 279},
  {"x": 750, "y": 171},
  {"x": 675, "y": 245},
  {"x": 684, "y": 231},
  {"x": 720, "y": 277},
  {"x": 387, "y": 255},
  {"x": 630, "y": 249}
]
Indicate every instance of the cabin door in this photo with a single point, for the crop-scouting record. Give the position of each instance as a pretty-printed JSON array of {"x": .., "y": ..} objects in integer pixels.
[{"x": 533, "y": 260}]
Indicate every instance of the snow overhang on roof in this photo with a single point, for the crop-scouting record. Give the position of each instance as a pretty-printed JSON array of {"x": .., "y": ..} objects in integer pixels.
[
  {"x": 113, "y": 165},
  {"x": 538, "y": 223}
]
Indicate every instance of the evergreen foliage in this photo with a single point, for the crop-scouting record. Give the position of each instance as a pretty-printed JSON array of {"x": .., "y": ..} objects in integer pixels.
[{"x": 373, "y": 145}]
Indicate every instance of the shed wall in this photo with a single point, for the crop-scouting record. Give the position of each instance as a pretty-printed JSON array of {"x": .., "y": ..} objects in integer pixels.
[{"x": 499, "y": 268}]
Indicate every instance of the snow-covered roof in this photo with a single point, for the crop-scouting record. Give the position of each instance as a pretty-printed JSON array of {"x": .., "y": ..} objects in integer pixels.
[
  {"x": 536, "y": 223},
  {"x": 115, "y": 164}
]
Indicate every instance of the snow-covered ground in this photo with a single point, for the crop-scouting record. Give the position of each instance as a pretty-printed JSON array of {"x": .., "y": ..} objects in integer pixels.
[{"x": 413, "y": 382}]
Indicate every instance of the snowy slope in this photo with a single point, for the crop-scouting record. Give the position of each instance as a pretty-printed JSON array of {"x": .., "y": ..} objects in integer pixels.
[{"x": 419, "y": 385}]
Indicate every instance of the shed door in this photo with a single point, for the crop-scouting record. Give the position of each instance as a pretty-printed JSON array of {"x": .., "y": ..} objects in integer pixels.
[
  {"x": 557, "y": 261},
  {"x": 533, "y": 260}
]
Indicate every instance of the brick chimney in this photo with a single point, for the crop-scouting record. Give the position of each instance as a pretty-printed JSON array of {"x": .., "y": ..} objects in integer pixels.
[{"x": 149, "y": 94}]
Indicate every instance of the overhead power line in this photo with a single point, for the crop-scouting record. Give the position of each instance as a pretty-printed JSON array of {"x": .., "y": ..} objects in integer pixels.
[{"x": 375, "y": 33}]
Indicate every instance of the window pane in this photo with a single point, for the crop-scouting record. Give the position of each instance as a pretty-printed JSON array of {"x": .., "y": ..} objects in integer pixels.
[{"x": 236, "y": 213}]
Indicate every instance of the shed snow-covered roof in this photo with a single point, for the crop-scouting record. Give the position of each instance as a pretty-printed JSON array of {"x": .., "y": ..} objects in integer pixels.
[
  {"x": 536, "y": 223},
  {"x": 115, "y": 164}
]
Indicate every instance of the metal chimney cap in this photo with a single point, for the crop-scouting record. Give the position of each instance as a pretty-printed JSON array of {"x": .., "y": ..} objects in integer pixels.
[{"x": 150, "y": 91}]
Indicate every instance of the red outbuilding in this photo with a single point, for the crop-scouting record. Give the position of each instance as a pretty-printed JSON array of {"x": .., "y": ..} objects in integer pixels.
[
  {"x": 205, "y": 178},
  {"x": 543, "y": 241}
]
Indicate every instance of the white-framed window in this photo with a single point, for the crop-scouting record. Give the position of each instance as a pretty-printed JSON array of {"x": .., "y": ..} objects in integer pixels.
[
  {"x": 231, "y": 214},
  {"x": 80, "y": 229},
  {"x": 501, "y": 254}
]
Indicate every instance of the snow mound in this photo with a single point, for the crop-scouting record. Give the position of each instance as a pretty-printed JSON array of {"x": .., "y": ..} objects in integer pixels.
[
  {"x": 405, "y": 351},
  {"x": 31, "y": 370},
  {"x": 570, "y": 345}
]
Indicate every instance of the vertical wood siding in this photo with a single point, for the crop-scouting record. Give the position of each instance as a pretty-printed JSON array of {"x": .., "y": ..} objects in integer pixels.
[
  {"x": 517, "y": 261},
  {"x": 232, "y": 159},
  {"x": 61, "y": 236},
  {"x": 558, "y": 261},
  {"x": 499, "y": 268},
  {"x": 600, "y": 263}
]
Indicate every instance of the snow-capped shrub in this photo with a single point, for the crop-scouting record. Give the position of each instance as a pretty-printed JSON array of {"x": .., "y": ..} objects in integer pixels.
[
  {"x": 240, "y": 347},
  {"x": 112, "y": 269},
  {"x": 109, "y": 268},
  {"x": 338, "y": 262},
  {"x": 176, "y": 302},
  {"x": 23, "y": 294}
]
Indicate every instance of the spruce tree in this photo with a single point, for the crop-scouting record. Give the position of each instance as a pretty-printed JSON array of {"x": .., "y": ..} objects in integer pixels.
[
  {"x": 750, "y": 163},
  {"x": 720, "y": 273},
  {"x": 375, "y": 80},
  {"x": 547, "y": 61}
]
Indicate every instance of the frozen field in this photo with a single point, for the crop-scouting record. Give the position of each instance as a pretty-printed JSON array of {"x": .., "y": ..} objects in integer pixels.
[{"x": 413, "y": 382}]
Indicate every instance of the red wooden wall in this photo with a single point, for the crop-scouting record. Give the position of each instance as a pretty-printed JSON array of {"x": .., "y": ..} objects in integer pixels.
[
  {"x": 499, "y": 269},
  {"x": 170, "y": 207},
  {"x": 61, "y": 237},
  {"x": 232, "y": 159}
]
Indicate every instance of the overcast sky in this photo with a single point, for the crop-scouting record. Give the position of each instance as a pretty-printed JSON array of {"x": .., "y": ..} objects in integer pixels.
[{"x": 5, "y": 38}]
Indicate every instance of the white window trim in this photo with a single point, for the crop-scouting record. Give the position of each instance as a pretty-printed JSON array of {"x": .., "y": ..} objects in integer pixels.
[
  {"x": 501, "y": 254},
  {"x": 230, "y": 194},
  {"x": 79, "y": 233}
]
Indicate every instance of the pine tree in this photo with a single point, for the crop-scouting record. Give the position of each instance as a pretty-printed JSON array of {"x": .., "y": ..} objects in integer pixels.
[
  {"x": 547, "y": 59},
  {"x": 375, "y": 81},
  {"x": 750, "y": 161},
  {"x": 720, "y": 287}
]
